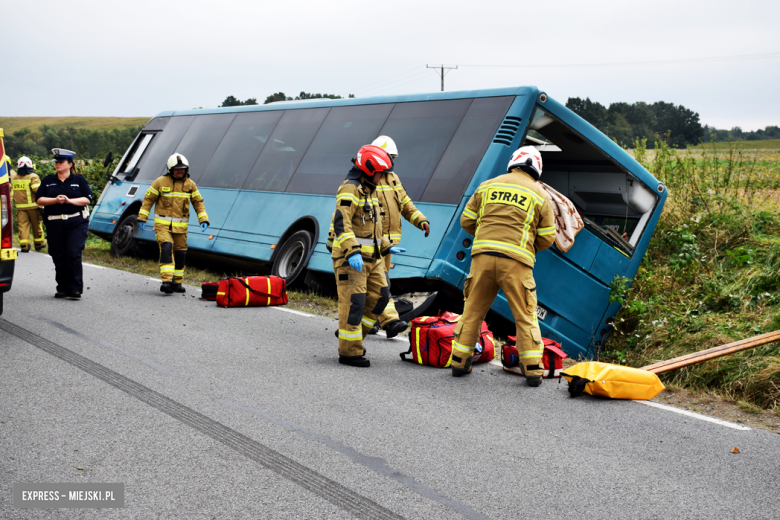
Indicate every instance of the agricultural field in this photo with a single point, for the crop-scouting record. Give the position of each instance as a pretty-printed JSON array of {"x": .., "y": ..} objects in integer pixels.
[
  {"x": 711, "y": 274},
  {"x": 12, "y": 124}
]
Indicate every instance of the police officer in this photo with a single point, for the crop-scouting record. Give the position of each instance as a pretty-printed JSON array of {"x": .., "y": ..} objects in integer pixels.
[
  {"x": 66, "y": 197},
  {"x": 357, "y": 246},
  {"x": 25, "y": 183},
  {"x": 171, "y": 196},
  {"x": 511, "y": 219},
  {"x": 395, "y": 203}
]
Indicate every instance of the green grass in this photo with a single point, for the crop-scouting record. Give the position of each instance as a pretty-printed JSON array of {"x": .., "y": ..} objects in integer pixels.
[
  {"x": 12, "y": 124},
  {"x": 768, "y": 144},
  {"x": 711, "y": 274}
]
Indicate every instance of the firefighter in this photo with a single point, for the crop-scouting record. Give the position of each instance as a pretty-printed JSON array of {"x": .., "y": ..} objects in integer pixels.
[
  {"x": 65, "y": 197},
  {"x": 395, "y": 203},
  {"x": 357, "y": 246},
  {"x": 25, "y": 183},
  {"x": 511, "y": 219},
  {"x": 171, "y": 195}
]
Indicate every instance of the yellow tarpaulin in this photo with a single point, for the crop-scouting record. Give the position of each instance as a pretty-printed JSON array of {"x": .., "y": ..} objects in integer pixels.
[{"x": 615, "y": 381}]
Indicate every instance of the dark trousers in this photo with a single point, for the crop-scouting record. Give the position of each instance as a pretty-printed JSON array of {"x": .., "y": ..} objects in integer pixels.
[{"x": 66, "y": 244}]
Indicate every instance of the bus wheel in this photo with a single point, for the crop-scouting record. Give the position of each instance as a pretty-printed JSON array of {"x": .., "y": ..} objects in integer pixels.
[
  {"x": 291, "y": 258},
  {"x": 123, "y": 241}
]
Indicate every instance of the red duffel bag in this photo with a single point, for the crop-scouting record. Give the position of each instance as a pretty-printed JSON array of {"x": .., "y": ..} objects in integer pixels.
[
  {"x": 552, "y": 359},
  {"x": 430, "y": 341},
  {"x": 252, "y": 291}
]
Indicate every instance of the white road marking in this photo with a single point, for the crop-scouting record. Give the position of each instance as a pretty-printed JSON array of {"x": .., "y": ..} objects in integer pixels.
[
  {"x": 299, "y": 313},
  {"x": 95, "y": 266},
  {"x": 693, "y": 414}
]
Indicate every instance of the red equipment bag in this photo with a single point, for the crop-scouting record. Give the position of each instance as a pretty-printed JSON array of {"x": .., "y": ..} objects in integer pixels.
[
  {"x": 208, "y": 291},
  {"x": 252, "y": 291},
  {"x": 430, "y": 341},
  {"x": 553, "y": 357}
]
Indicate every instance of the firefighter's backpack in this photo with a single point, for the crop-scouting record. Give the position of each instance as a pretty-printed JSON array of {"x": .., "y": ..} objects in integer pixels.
[
  {"x": 430, "y": 341},
  {"x": 252, "y": 291},
  {"x": 552, "y": 358},
  {"x": 615, "y": 381}
]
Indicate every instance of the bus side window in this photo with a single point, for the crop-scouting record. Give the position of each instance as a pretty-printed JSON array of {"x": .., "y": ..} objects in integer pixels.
[
  {"x": 239, "y": 149},
  {"x": 285, "y": 149},
  {"x": 152, "y": 164},
  {"x": 422, "y": 131},
  {"x": 341, "y": 135},
  {"x": 202, "y": 139},
  {"x": 464, "y": 153}
]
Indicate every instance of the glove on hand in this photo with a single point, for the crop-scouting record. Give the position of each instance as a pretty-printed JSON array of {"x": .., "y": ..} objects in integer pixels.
[
  {"x": 356, "y": 262},
  {"x": 142, "y": 225},
  {"x": 203, "y": 226},
  {"x": 426, "y": 227},
  {"x": 396, "y": 249}
]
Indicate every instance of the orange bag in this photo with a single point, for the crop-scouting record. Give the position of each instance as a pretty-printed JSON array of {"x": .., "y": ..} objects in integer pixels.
[{"x": 252, "y": 291}]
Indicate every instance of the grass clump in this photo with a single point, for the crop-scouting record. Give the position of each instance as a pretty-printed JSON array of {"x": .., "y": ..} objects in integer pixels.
[{"x": 711, "y": 274}]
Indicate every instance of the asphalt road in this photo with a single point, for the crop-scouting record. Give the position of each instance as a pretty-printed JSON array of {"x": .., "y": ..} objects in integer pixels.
[{"x": 203, "y": 412}]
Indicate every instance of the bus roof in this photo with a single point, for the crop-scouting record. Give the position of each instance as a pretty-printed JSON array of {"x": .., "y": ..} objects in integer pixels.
[{"x": 325, "y": 102}]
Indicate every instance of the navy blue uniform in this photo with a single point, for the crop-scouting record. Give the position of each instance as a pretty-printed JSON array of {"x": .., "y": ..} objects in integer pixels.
[{"x": 67, "y": 235}]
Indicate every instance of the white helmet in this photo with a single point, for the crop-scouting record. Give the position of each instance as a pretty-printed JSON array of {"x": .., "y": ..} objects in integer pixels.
[
  {"x": 177, "y": 160},
  {"x": 386, "y": 144},
  {"x": 25, "y": 162},
  {"x": 528, "y": 159}
]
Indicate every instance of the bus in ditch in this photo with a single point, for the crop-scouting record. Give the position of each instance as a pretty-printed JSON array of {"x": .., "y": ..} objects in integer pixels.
[{"x": 269, "y": 175}]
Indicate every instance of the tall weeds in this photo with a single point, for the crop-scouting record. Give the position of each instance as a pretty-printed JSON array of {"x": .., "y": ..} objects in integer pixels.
[{"x": 712, "y": 272}]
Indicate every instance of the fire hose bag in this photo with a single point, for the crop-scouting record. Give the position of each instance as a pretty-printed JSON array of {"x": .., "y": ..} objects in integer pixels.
[
  {"x": 252, "y": 291},
  {"x": 614, "y": 381}
]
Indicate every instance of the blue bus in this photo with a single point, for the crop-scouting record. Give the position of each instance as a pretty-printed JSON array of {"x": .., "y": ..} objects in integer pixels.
[{"x": 269, "y": 175}]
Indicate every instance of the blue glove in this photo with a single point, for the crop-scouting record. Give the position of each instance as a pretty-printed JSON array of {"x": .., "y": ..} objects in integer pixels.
[
  {"x": 141, "y": 225},
  {"x": 395, "y": 250},
  {"x": 356, "y": 262},
  {"x": 204, "y": 226}
]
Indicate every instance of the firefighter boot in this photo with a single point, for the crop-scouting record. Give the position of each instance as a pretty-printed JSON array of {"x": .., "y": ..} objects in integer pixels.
[
  {"x": 177, "y": 288},
  {"x": 463, "y": 368},
  {"x": 533, "y": 380},
  {"x": 394, "y": 328},
  {"x": 166, "y": 287},
  {"x": 355, "y": 361}
]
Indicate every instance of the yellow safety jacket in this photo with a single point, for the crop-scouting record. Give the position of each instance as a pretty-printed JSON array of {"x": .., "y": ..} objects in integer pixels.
[
  {"x": 24, "y": 187},
  {"x": 357, "y": 222},
  {"x": 510, "y": 215},
  {"x": 171, "y": 199},
  {"x": 396, "y": 204}
]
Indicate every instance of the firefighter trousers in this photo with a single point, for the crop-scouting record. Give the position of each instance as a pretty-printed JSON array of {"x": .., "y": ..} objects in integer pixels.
[
  {"x": 30, "y": 220},
  {"x": 389, "y": 314},
  {"x": 489, "y": 274},
  {"x": 173, "y": 250},
  {"x": 363, "y": 296}
]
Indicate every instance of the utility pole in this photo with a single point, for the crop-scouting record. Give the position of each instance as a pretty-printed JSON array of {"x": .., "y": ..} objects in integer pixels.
[{"x": 442, "y": 73}]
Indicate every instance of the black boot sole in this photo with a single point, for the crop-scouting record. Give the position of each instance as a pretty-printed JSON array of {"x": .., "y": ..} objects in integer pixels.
[
  {"x": 355, "y": 361},
  {"x": 395, "y": 328}
]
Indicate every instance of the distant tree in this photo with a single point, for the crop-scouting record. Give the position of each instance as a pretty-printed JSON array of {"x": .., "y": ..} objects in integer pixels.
[
  {"x": 231, "y": 101},
  {"x": 306, "y": 95},
  {"x": 251, "y": 101},
  {"x": 279, "y": 96},
  {"x": 591, "y": 111}
]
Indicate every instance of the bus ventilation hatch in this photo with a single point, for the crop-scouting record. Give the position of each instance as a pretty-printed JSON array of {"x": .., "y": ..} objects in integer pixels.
[{"x": 507, "y": 130}]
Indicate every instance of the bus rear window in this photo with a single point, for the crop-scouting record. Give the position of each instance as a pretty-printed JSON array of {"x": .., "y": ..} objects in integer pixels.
[
  {"x": 422, "y": 131},
  {"x": 238, "y": 151},
  {"x": 342, "y": 134},
  {"x": 464, "y": 153},
  {"x": 285, "y": 148}
]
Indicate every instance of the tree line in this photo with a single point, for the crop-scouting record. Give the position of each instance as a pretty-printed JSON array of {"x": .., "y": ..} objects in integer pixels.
[
  {"x": 232, "y": 101},
  {"x": 87, "y": 144}
]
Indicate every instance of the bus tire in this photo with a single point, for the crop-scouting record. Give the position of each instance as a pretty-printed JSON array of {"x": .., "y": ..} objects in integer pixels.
[
  {"x": 291, "y": 259},
  {"x": 123, "y": 240}
]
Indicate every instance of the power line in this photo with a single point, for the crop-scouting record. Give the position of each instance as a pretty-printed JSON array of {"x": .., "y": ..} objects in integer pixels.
[
  {"x": 442, "y": 73},
  {"x": 713, "y": 59},
  {"x": 413, "y": 80},
  {"x": 384, "y": 81}
]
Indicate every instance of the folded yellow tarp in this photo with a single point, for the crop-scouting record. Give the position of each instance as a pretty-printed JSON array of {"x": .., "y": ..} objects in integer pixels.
[{"x": 615, "y": 381}]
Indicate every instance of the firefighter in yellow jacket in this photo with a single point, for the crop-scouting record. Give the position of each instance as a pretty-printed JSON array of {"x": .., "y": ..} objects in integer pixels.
[
  {"x": 171, "y": 195},
  {"x": 357, "y": 246},
  {"x": 511, "y": 220},
  {"x": 25, "y": 183},
  {"x": 395, "y": 203}
]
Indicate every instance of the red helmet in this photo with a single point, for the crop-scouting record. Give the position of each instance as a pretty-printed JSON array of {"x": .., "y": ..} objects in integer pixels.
[{"x": 371, "y": 159}]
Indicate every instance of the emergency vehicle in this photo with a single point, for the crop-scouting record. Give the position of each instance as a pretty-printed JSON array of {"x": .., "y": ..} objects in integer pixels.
[{"x": 7, "y": 251}]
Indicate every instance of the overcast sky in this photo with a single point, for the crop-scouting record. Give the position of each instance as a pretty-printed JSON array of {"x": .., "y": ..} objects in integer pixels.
[{"x": 99, "y": 58}]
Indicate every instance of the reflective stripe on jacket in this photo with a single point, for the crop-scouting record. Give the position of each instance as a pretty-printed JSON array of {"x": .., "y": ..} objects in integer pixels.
[
  {"x": 24, "y": 187},
  {"x": 352, "y": 228},
  {"x": 396, "y": 204},
  {"x": 512, "y": 215},
  {"x": 171, "y": 200}
]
